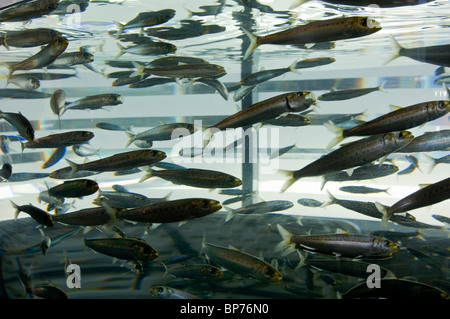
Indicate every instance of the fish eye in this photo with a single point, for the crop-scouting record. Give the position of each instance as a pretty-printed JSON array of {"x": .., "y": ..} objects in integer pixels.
[
  {"x": 204, "y": 204},
  {"x": 387, "y": 242},
  {"x": 160, "y": 290},
  {"x": 400, "y": 135},
  {"x": 268, "y": 272},
  {"x": 363, "y": 21},
  {"x": 441, "y": 105}
]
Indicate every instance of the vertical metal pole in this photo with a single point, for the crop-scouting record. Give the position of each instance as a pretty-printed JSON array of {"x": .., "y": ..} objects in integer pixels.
[{"x": 250, "y": 169}]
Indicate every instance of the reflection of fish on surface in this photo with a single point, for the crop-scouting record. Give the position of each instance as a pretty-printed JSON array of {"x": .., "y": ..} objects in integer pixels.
[
  {"x": 165, "y": 292},
  {"x": 339, "y": 95}
]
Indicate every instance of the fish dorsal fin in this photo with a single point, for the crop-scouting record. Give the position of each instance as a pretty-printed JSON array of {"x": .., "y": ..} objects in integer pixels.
[
  {"x": 350, "y": 171},
  {"x": 394, "y": 107},
  {"x": 233, "y": 248},
  {"x": 341, "y": 231}
]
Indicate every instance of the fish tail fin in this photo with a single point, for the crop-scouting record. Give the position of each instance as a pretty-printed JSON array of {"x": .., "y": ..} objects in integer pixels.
[
  {"x": 302, "y": 260},
  {"x": 387, "y": 190},
  {"x": 131, "y": 138},
  {"x": 331, "y": 200},
  {"x": 119, "y": 27},
  {"x": 385, "y": 211},
  {"x": 253, "y": 43},
  {"x": 74, "y": 167},
  {"x": 293, "y": 69},
  {"x": 231, "y": 213},
  {"x": 291, "y": 180},
  {"x": 147, "y": 176},
  {"x": 285, "y": 242},
  {"x": 208, "y": 134},
  {"x": 337, "y": 130},
  {"x": 22, "y": 146},
  {"x": 396, "y": 47},
  {"x": 166, "y": 272},
  {"x": 381, "y": 87},
  {"x": 112, "y": 217},
  {"x": 121, "y": 50},
  {"x": 433, "y": 160},
  {"x": 139, "y": 70},
  {"x": 16, "y": 208}
]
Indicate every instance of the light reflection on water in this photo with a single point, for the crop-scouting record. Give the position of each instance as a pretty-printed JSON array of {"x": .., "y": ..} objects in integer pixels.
[{"x": 359, "y": 63}]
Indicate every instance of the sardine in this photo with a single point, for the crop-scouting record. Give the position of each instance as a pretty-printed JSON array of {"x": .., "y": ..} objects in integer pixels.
[
  {"x": 317, "y": 31},
  {"x": 309, "y": 202},
  {"x": 435, "y": 161},
  {"x": 215, "y": 84},
  {"x": 341, "y": 95},
  {"x": 187, "y": 29},
  {"x": 352, "y": 155},
  {"x": 39, "y": 215},
  {"x": 194, "y": 177},
  {"x": 171, "y": 211},
  {"x": 28, "y": 37},
  {"x": 194, "y": 271},
  {"x": 401, "y": 119},
  {"x": 437, "y": 54},
  {"x": 75, "y": 188},
  {"x": 428, "y": 142},
  {"x": 200, "y": 70},
  {"x": 265, "y": 110},
  {"x": 117, "y": 162},
  {"x": 95, "y": 216},
  {"x": 151, "y": 48},
  {"x": 23, "y": 94},
  {"x": 363, "y": 190},
  {"x": 43, "y": 58},
  {"x": 265, "y": 75},
  {"x": 260, "y": 208},
  {"x": 146, "y": 19},
  {"x": 132, "y": 249},
  {"x": 162, "y": 132},
  {"x": 27, "y": 10},
  {"x": 364, "y": 172},
  {"x": 145, "y": 83},
  {"x": 70, "y": 59},
  {"x": 24, "y": 81},
  {"x": 126, "y": 199},
  {"x": 59, "y": 140},
  {"x": 241, "y": 263},
  {"x": 345, "y": 245},
  {"x": 429, "y": 195},
  {"x": 21, "y": 124},
  {"x": 94, "y": 102}
]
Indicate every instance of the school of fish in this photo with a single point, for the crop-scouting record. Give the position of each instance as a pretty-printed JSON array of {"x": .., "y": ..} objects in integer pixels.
[{"x": 110, "y": 221}]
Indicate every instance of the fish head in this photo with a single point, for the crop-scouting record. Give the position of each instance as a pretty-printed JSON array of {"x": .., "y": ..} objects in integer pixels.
[
  {"x": 398, "y": 139},
  {"x": 385, "y": 246},
  {"x": 299, "y": 101},
  {"x": 215, "y": 272},
  {"x": 59, "y": 44},
  {"x": 33, "y": 83},
  {"x": 438, "y": 108},
  {"x": 206, "y": 205},
  {"x": 159, "y": 291},
  {"x": 364, "y": 25},
  {"x": 87, "y": 57},
  {"x": 87, "y": 135},
  {"x": 149, "y": 252},
  {"x": 158, "y": 155},
  {"x": 268, "y": 272},
  {"x": 90, "y": 184}
]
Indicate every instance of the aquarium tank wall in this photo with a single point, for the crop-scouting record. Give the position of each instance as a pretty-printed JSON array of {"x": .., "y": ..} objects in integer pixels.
[{"x": 226, "y": 149}]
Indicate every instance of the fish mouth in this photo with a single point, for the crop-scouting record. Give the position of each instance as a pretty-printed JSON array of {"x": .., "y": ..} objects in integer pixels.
[{"x": 215, "y": 205}]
